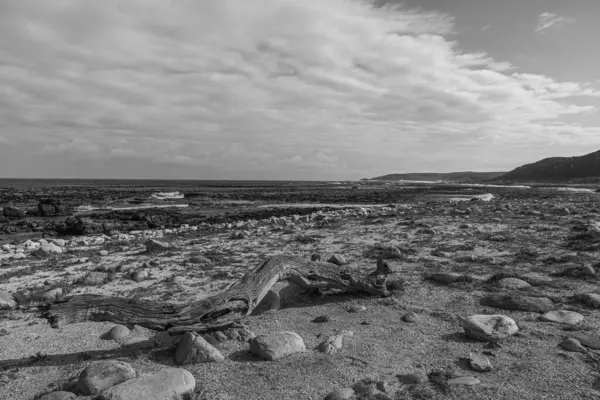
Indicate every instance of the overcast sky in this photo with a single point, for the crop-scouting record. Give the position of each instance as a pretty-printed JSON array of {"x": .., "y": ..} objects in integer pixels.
[{"x": 294, "y": 89}]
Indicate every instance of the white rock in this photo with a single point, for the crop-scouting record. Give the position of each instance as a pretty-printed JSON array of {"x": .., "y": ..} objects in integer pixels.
[
  {"x": 562, "y": 317},
  {"x": 48, "y": 249},
  {"x": 194, "y": 349},
  {"x": 103, "y": 375},
  {"x": 167, "y": 384},
  {"x": 489, "y": 328}
]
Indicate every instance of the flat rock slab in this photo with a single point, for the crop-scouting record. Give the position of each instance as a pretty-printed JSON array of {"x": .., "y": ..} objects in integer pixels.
[
  {"x": 464, "y": 380},
  {"x": 573, "y": 345},
  {"x": 489, "y": 328},
  {"x": 168, "y": 384},
  {"x": 562, "y": 317},
  {"x": 103, "y": 375},
  {"x": 276, "y": 345},
  {"x": 448, "y": 277},
  {"x": 590, "y": 341},
  {"x": 520, "y": 303}
]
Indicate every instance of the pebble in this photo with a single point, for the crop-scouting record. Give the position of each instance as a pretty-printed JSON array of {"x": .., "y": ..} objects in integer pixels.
[
  {"x": 489, "y": 328},
  {"x": 276, "y": 345},
  {"x": 103, "y": 375},
  {"x": 167, "y": 384},
  {"x": 341, "y": 394},
  {"x": 571, "y": 344},
  {"x": 513, "y": 283},
  {"x": 562, "y": 317},
  {"x": 193, "y": 349},
  {"x": 410, "y": 317},
  {"x": 464, "y": 380},
  {"x": 103, "y": 253},
  {"x": 479, "y": 362},
  {"x": 337, "y": 259}
]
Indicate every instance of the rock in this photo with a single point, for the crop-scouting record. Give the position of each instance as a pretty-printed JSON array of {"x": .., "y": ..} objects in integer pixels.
[
  {"x": 410, "y": 317},
  {"x": 103, "y": 375},
  {"x": 321, "y": 318},
  {"x": 13, "y": 212},
  {"x": 6, "y": 300},
  {"x": 315, "y": 257},
  {"x": 61, "y": 395},
  {"x": 334, "y": 343},
  {"x": 47, "y": 249},
  {"x": 464, "y": 380},
  {"x": 103, "y": 253},
  {"x": 513, "y": 283},
  {"x": 167, "y": 384},
  {"x": 276, "y": 345},
  {"x": 193, "y": 349},
  {"x": 271, "y": 301},
  {"x": 521, "y": 303},
  {"x": 52, "y": 295},
  {"x": 409, "y": 379},
  {"x": 341, "y": 394},
  {"x": 137, "y": 342},
  {"x": 59, "y": 242},
  {"x": 140, "y": 275},
  {"x": 479, "y": 362},
  {"x": 573, "y": 345},
  {"x": 337, "y": 259},
  {"x": 586, "y": 340},
  {"x": 391, "y": 253},
  {"x": 155, "y": 245},
  {"x": 356, "y": 309},
  {"x": 489, "y": 328},
  {"x": 238, "y": 235},
  {"x": 562, "y": 317},
  {"x": 590, "y": 299},
  {"x": 95, "y": 278},
  {"x": 447, "y": 277},
  {"x": 117, "y": 332}
]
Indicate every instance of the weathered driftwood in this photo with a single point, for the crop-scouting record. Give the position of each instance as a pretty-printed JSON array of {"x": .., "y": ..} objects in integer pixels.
[{"x": 219, "y": 311}]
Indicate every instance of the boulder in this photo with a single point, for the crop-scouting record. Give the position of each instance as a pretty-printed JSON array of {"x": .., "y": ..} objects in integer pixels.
[
  {"x": 276, "y": 345},
  {"x": 194, "y": 349},
  {"x": 337, "y": 259},
  {"x": 103, "y": 375},
  {"x": 167, "y": 384},
  {"x": 489, "y": 328},
  {"x": 47, "y": 250},
  {"x": 117, "y": 332}
]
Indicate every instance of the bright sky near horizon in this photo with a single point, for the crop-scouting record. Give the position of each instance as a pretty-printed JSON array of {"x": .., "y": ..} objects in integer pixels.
[{"x": 294, "y": 89}]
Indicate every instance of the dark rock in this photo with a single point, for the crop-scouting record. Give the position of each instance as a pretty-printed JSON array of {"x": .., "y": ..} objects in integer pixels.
[{"x": 521, "y": 303}]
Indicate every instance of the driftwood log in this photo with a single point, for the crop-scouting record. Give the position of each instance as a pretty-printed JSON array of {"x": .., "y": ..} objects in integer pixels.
[{"x": 219, "y": 311}]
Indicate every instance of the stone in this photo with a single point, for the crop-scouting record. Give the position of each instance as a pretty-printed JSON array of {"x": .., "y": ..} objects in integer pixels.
[
  {"x": 137, "y": 342},
  {"x": 447, "y": 277},
  {"x": 409, "y": 379},
  {"x": 271, "y": 301},
  {"x": 155, "y": 245},
  {"x": 167, "y": 384},
  {"x": 391, "y": 253},
  {"x": 53, "y": 294},
  {"x": 590, "y": 299},
  {"x": 103, "y": 253},
  {"x": 479, "y": 362},
  {"x": 140, "y": 275},
  {"x": 321, "y": 319},
  {"x": 587, "y": 340},
  {"x": 95, "y": 278},
  {"x": 59, "y": 242},
  {"x": 276, "y": 345},
  {"x": 410, "y": 317},
  {"x": 341, "y": 394},
  {"x": 562, "y": 317},
  {"x": 337, "y": 259},
  {"x": 60, "y": 395},
  {"x": 464, "y": 380},
  {"x": 334, "y": 343},
  {"x": 513, "y": 283},
  {"x": 117, "y": 332},
  {"x": 573, "y": 345},
  {"x": 315, "y": 257},
  {"x": 103, "y": 375},
  {"x": 489, "y": 328},
  {"x": 356, "y": 309},
  {"x": 47, "y": 249},
  {"x": 6, "y": 300},
  {"x": 193, "y": 349},
  {"x": 521, "y": 303}
]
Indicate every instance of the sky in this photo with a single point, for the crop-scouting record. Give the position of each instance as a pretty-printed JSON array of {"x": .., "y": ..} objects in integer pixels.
[{"x": 290, "y": 89}]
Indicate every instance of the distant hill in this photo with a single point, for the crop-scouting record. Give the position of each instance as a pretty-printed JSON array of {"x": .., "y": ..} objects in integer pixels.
[
  {"x": 578, "y": 169},
  {"x": 467, "y": 176}
]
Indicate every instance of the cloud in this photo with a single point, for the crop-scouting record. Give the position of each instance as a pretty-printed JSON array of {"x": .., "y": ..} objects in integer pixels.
[
  {"x": 548, "y": 20},
  {"x": 271, "y": 89}
]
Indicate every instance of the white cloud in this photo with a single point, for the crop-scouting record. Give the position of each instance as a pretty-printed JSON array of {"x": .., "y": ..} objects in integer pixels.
[
  {"x": 258, "y": 89},
  {"x": 548, "y": 20}
]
